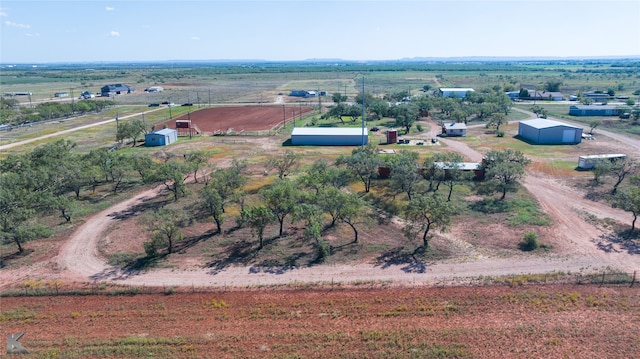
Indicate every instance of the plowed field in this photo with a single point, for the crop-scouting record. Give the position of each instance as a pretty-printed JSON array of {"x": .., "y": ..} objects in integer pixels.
[
  {"x": 240, "y": 118},
  {"x": 480, "y": 322}
]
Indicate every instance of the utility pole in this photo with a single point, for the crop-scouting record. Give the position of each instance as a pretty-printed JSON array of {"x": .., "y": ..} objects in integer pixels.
[{"x": 363, "y": 112}]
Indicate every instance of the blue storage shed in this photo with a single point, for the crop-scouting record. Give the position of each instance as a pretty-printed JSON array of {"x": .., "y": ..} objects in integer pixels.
[{"x": 162, "y": 137}]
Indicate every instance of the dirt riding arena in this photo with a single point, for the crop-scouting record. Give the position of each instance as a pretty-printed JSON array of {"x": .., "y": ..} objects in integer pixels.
[{"x": 236, "y": 119}]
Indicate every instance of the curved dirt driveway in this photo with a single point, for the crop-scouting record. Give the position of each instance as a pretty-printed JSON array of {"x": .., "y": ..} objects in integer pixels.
[{"x": 78, "y": 258}]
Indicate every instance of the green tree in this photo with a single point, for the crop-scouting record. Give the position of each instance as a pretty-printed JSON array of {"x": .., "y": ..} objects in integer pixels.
[
  {"x": 228, "y": 181},
  {"x": 504, "y": 169},
  {"x": 497, "y": 119},
  {"x": 405, "y": 172},
  {"x": 593, "y": 124},
  {"x": 405, "y": 115},
  {"x": 211, "y": 200},
  {"x": 424, "y": 212},
  {"x": 363, "y": 163},
  {"x": 337, "y": 97},
  {"x": 165, "y": 226},
  {"x": 285, "y": 164},
  {"x": 172, "y": 174},
  {"x": 15, "y": 210},
  {"x": 144, "y": 165},
  {"x": 621, "y": 169},
  {"x": 342, "y": 207},
  {"x": 321, "y": 175},
  {"x": 258, "y": 217},
  {"x": 552, "y": 86},
  {"x": 281, "y": 199},
  {"x": 628, "y": 199},
  {"x": 195, "y": 160}
]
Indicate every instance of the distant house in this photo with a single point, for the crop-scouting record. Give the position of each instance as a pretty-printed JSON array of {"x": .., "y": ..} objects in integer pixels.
[
  {"x": 457, "y": 92},
  {"x": 117, "y": 89},
  {"x": 163, "y": 137},
  {"x": 154, "y": 89},
  {"x": 303, "y": 93},
  {"x": 548, "y": 132},
  {"x": 329, "y": 136},
  {"x": 61, "y": 94},
  {"x": 594, "y": 110},
  {"x": 458, "y": 129},
  {"x": 534, "y": 95},
  {"x": 597, "y": 96}
]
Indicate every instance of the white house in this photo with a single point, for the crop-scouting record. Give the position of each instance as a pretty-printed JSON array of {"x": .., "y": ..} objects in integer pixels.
[
  {"x": 455, "y": 129},
  {"x": 458, "y": 92}
]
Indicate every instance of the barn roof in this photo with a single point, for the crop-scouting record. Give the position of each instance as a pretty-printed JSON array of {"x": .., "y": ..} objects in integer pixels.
[
  {"x": 541, "y": 123},
  {"x": 464, "y": 166},
  {"x": 456, "y": 126},
  {"x": 595, "y": 107},
  {"x": 329, "y": 131},
  {"x": 456, "y": 89},
  {"x": 164, "y": 131}
]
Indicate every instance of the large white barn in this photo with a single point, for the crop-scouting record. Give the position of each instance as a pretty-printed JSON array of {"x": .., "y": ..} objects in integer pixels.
[
  {"x": 458, "y": 92},
  {"x": 329, "y": 136}
]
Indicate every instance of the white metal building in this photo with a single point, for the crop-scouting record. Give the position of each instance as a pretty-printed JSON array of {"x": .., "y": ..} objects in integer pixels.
[
  {"x": 589, "y": 162},
  {"x": 329, "y": 136},
  {"x": 549, "y": 132},
  {"x": 458, "y": 92}
]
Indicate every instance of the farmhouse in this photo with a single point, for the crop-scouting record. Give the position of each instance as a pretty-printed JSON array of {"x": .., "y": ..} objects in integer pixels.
[
  {"x": 458, "y": 129},
  {"x": 594, "y": 110},
  {"x": 548, "y": 132},
  {"x": 458, "y": 92},
  {"x": 329, "y": 136},
  {"x": 61, "y": 94},
  {"x": 117, "y": 89},
  {"x": 162, "y": 137},
  {"x": 303, "y": 93}
]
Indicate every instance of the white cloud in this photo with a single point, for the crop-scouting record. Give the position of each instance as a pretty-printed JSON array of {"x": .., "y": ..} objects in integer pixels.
[
  {"x": 15, "y": 24},
  {"x": 114, "y": 34},
  {"x": 3, "y": 13},
  {"x": 195, "y": 38},
  {"x": 109, "y": 8}
]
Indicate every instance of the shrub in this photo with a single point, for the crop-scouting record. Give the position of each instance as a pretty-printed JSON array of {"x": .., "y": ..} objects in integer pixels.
[
  {"x": 419, "y": 127},
  {"x": 530, "y": 242},
  {"x": 500, "y": 133}
]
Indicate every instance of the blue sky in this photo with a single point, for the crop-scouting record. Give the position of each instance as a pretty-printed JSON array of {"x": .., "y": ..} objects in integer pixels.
[{"x": 159, "y": 30}]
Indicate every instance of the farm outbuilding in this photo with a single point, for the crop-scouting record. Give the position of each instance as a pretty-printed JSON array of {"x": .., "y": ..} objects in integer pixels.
[
  {"x": 457, "y": 92},
  {"x": 162, "y": 137},
  {"x": 329, "y": 136},
  {"x": 472, "y": 167},
  {"x": 549, "y": 132},
  {"x": 594, "y": 110},
  {"x": 117, "y": 89},
  {"x": 589, "y": 162},
  {"x": 455, "y": 129}
]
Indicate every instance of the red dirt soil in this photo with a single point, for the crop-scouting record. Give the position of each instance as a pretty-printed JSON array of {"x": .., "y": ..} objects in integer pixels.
[
  {"x": 477, "y": 322},
  {"x": 240, "y": 118}
]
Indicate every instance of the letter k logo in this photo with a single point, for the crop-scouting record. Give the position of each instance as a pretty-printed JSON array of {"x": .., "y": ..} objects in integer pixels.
[{"x": 13, "y": 347}]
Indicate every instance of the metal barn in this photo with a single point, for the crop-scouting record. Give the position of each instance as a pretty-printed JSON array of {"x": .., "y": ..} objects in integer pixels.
[
  {"x": 549, "y": 132},
  {"x": 162, "y": 137},
  {"x": 328, "y": 136},
  {"x": 594, "y": 110}
]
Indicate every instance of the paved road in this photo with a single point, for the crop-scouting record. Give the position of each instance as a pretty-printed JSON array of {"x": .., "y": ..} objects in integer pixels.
[{"x": 24, "y": 142}]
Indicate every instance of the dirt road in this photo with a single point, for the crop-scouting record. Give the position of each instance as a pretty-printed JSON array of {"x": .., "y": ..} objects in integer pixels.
[{"x": 587, "y": 243}]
